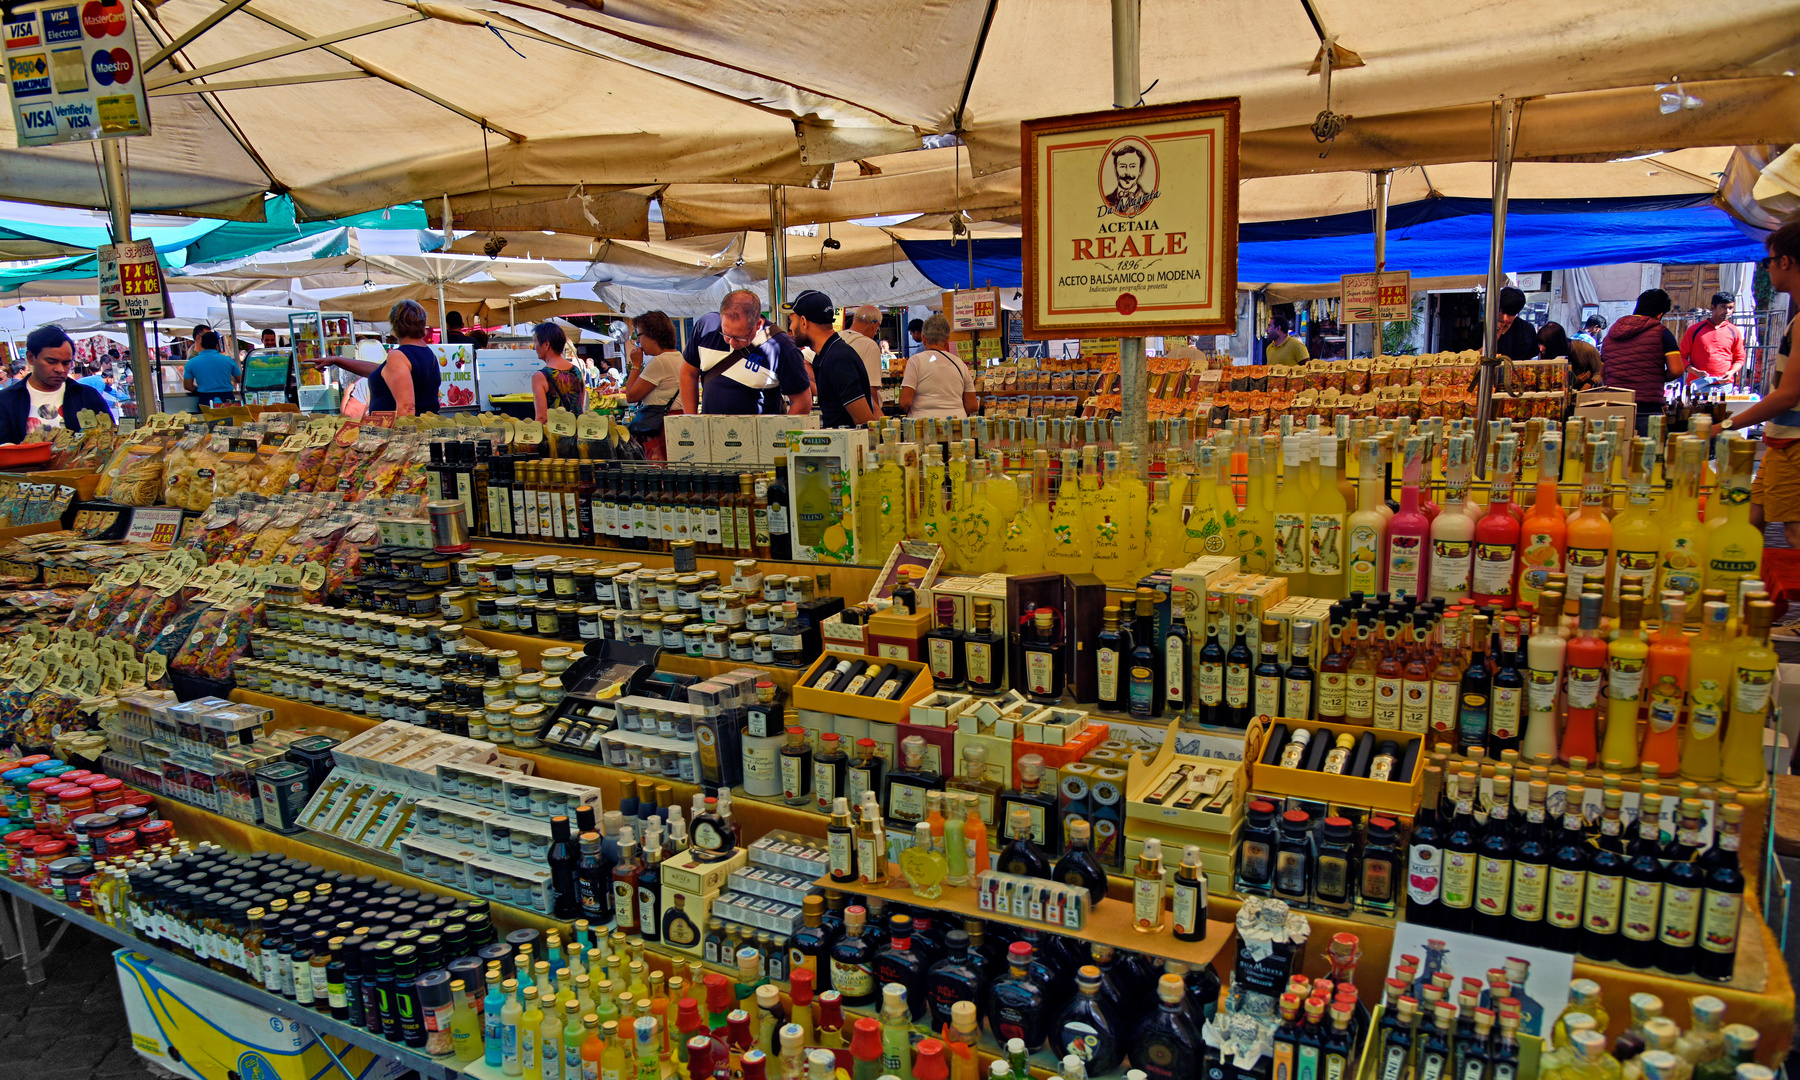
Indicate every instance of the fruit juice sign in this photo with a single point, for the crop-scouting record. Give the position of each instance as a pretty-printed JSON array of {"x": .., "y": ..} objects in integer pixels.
[
  {"x": 72, "y": 71},
  {"x": 1130, "y": 220},
  {"x": 456, "y": 375}
]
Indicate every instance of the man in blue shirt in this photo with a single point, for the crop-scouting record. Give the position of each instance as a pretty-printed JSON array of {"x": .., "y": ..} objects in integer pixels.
[
  {"x": 739, "y": 365},
  {"x": 211, "y": 375}
]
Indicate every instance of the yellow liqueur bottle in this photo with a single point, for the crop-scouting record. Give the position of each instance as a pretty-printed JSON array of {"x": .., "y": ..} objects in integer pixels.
[
  {"x": 1253, "y": 533},
  {"x": 1069, "y": 550},
  {"x": 1681, "y": 560},
  {"x": 1205, "y": 531},
  {"x": 1326, "y": 514},
  {"x": 1735, "y": 547},
  {"x": 1637, "y": 536},
  {"x": 1710, "y": 674},
  {"x": 1023, "y": 543},
  {"x": 1753, "y": 682},
  {"x": 1115, "y": 557},
  {"x": 983, "y": 524},
  {"x": 932, "y": 517}
]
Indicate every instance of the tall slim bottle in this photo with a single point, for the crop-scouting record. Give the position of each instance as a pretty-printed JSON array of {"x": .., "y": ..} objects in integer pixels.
[
  {"x": 1544, "y": 534},
  {"x": 1325, "y": 521},
  {"x": 1734, "y": 546},
  {"x": 1069, "y": 549},
  {"x": 1665, "y": 687},
  {"x": 1586, "y": 658},
  {"x": 1637, "y": 534},
  {"x": 1290, "y": 516},
  {"x": 1544, "y": 652},
  {"x": 1626, "y": 656},
  {"x": 1681, "y": 561},
  {"x": 1408, "y": 539},
  {"x": 1367, "y": 552},
  {"x": 1590, "y": 532},
  {"x": 1753, "y": 679},
  {"x": 1710, "y": 675},
  {"x": 1497, "y": 535},
  {"x": 1253, "y": 533},
  {"x": 1453, "y": 532}
]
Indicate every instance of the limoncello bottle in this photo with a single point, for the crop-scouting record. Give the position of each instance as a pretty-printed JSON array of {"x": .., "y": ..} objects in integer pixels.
[
  {"x": 1000, "y": 490},
  {"x": 1068, "y": 545},
  {"x": 956, "y": 472},
  {"x": 881, "y": 504},
  {"x": 1637, "y": 538},
  {"x": 1137, "y": 498},
  {"x": 1735, "y": 547},
  {"x": 1040, "y": 498},
  {"x": 1367, "y": 526},
  {"x": 1163, "y": 532},
  {"x": 1326, "y": 514},
  {"x": 1204, "y": 532},
  {"x": 1709, "y": 681},
  {"x": 933, "y": 519},
  {"x": 983, "y": 524},
  {"x": 1292, "y": 502},
  {"x": 1022, "y": 544},
  {"x": 1753, "y": 681},
  {"x": 1253, "y": 534}
]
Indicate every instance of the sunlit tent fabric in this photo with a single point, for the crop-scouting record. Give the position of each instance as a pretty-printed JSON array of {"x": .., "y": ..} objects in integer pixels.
[
  {"x": 1440, "y": 241},
  {"x": 352, "y": 105}
]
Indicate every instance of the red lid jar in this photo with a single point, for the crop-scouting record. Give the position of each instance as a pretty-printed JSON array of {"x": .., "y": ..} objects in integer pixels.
[
  {"x": 35, "y": 792},
  {"x": 88, "y": 829},
  {"x": 152, "y": 833},
  {"x": 38, "y": 858},
  {"x": 74, "y": 801},
  {"x": 108, "y": 793},
  {"x": 116, "y": 845},
  {"x": 12, "y": 850},
  {"x": 52, "y": 820}
]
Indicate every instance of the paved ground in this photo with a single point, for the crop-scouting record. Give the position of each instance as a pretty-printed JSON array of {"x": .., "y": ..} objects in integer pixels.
[{"x": 72, "y": 1025}]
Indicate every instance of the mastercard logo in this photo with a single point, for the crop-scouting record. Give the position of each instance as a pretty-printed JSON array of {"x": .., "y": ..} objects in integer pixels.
[
  {"x": 112, "y": 67},
  {"x": 103, "y": 19}
]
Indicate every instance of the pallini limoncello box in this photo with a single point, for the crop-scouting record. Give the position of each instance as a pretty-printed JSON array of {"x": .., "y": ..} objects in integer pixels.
[{"x": 823, "y": 468}]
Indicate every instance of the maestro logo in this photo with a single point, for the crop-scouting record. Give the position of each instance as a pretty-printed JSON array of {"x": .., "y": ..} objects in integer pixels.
[
  {"x": 101, "y": 19},
  {"x": 112, "y": 67}
]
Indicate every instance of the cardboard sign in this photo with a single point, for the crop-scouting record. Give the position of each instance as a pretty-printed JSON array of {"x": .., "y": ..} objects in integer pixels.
[
  {"x": 1384, "y": 297},
  {"x": 975, "y": 309},
  {"x": 159, "y": 526}
]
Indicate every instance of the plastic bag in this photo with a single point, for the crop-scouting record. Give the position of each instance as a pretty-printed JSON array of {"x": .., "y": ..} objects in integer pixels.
[
  {"x": 218, "y": 639},
  {"x": 99, "y": 606}
]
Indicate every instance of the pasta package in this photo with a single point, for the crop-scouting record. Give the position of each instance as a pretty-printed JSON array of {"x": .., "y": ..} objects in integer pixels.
[
  {"x": 138, "y": 481},
  {"x": 271, "y": 538}
]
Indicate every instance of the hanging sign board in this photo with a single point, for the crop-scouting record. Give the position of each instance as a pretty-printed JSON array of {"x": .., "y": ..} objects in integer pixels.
[
  {"x": 1383, "y": 297},
  {"x": 1130, "y": 221},
  {"x": 72, "y": 72},
  {"x": 131, "y": 282},
  {"x": 974, "y": 309},
  {"x": 456, "y": 376}
]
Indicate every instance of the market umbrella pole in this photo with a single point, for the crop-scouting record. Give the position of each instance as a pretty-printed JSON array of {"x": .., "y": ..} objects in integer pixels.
[
  {"x": 231, "y": 325},
  {"x": 777, "y": 253},
  {"x": 118, "y": 194},
  {"x": 1384, "y": 180},
  {"x": 1134, "y": 373},
  {"x": 1490, "y": 338}
]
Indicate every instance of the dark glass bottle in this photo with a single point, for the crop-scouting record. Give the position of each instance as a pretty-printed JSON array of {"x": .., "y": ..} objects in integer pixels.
[
  {"x": 1603, "y": 899},
  {"x": 1494, "y": 866},
  {"x": 853, "y": 960},
  {"x": 649, "y": 889},
  {"x": 1293, "y": 878},
  {"x": 625, "y": 882},
  {"x": 1383, "y": 870},
  {"x": 565, "y": 901},
  {"x": 1474, "y": 693},
  {"x": 830, "y": 768},
  {"x": 1178, "y": 656},
  {"x": 1435, "y": 1047},
  {"x": 796, "y": 768},
  {"x": 1020, "y": 855},
  {"x": 1723, "y": 904},
  {"x": 1531, "y": 866},
  {"x": 1684, "y": 888},
  {"x": 781, "y": 538},
  {"x": 1017, "y": 1001},
  {"x": 810, "y": 946},
  {"x": 1238, "y": 661},
  {"x": 1144, "y": 684},
  {"x": 1111, "y": 652},
  {"x": 984, "y": 651},
  {"x": 1078, "y": 865},
  {"x": 943, "y": 648},
  {"x": 866, "y": 772},
  {"x": 1256, "y": 850},
  {"x": 1209, "y": 673},
  {"x": 1188, "y": 905},
  {"x": 1266, "y": 677},
  {"x": 1456, "y": 897},
  {"x": 898, "y": 963},
  {"x": 1085, "y": 1027},
  {"x": 1298, "y": 680},
  {"x": 957, "y": 977},
  {"x": 1568, "y": 877},
  {"x": 904, "y": 797},
  {"x": 1166, "y": 1045},
  {"x": 1042, "y": 655},
  {"x": 1038, "y": 803},
  {"x": 1506, "y": 704},
  {"x": 1643, "y": 888},
  {"x": 1334, "y": 669},
  {"x": 1335, "y": 860}
]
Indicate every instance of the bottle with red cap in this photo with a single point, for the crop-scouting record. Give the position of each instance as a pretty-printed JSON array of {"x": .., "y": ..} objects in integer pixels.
[
  {"x": 929, "y": 1061},
  {"x": 1017, "y": 1000},
  {"x": 831, "y": 1020},
  {"x": 865, "y": 1049}
]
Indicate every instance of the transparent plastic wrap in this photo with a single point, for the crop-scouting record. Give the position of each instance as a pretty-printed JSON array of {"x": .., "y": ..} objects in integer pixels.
[{"x": 219, "y": 638}]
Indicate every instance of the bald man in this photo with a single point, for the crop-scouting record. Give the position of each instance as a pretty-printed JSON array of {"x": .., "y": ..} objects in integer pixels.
[{"x": 865, "y": 325}]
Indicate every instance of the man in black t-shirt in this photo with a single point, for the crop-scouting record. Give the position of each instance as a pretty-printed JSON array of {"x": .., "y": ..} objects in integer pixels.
[
  {"x": 739, "y": 365},
  {"x": 843, "y": 380}
]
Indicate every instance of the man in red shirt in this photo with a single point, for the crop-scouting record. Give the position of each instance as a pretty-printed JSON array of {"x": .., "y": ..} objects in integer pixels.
[{"x": 1714, "y": 348}]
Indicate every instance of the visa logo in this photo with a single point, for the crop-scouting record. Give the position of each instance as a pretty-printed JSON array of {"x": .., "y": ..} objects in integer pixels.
[{"x": 38, "y": 119}]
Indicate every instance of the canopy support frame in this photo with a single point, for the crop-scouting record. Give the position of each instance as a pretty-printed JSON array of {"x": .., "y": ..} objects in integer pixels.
[
  {"x": 118, "y": 198},
  {"x": 777, "y": 237},
  {"x": 1384, "y": 182},
  {"x": 306, "y": 44},
  {"x": 1505, "y": 127},
  {"x": 1134, "y": 371}
]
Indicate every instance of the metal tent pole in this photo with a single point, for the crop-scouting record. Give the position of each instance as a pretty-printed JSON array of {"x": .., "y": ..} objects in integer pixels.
[
  {"x": 118, "y": 197},
  {"x": 1134, "y": 372},
  {"x": 777, "y": 252},
  {"x": 1504, "y": 116},
  {"x": 449, "y": 238},
  {"x": 1384, "y": 180}
]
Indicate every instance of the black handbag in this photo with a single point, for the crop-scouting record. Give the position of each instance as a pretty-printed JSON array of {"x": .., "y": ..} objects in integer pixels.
[{"x": 647, "y": 420}]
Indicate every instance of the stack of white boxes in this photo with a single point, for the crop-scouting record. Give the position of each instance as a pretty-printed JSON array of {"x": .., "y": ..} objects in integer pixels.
[{"x": 731, "y": 440}]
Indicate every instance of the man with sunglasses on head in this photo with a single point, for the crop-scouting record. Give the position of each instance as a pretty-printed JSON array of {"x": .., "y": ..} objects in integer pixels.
[{"x": 739, "y": 365}]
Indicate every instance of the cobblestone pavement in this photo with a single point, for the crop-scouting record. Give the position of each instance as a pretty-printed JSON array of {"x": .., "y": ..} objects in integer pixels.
[{"x": 72, "y": 1025}]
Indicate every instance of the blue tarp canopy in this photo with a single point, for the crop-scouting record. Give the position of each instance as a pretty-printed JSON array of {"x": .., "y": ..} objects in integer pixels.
[{"x": 1436, "y": 238}]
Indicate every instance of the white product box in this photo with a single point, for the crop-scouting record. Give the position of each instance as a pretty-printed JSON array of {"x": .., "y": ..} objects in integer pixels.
[
  {"x": 734, "y": 440},
  {"x": 689, "y": 438},
  {"x": 772, "y": 432}
]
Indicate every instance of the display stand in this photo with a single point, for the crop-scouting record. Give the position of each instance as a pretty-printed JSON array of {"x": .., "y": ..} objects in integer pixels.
[{"x": 317, "y": 335}]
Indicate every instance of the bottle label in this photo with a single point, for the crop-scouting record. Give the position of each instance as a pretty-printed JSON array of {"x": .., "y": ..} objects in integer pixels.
[
  {"x": 1415, "y": 706},
  {"x": 1503, "y": 712},
  {"x": 1583, "y": 564},
  {"x": 1291, "y": 873},
  {"x": 1147, "y": 902},
  {"x": 1494, "y": 569},
  {"x": 870, "y": 859},
  {"x": 1106, "y": 665},
  {"x": 1566, "y": 889},
  {"x": 1584, "y": 687},
  {"x": 1188, "y": 907},
  {"x": 1333, "y": 881},
  {"x": 1297, "y": 697},
  {"x": 1665, "y": 703},
  {"x": 1365, "y": 570},
  {"x": 1458, "y": 890},
  {"x": 624, "y": 897},
  {"x": 1450, "y": 563},
  {"x": 825, "y": 783},
  {"x": 1446, "y": 703},
  {"x": 1388, "y": 698},
  {"x": 1625, "y": 677},
  {"x": 981, "y": 663},
  {"x": 1237, "y": 685},
  {"x": 1473, "y": 721},
  {"x": 1605, "y": 898},
  {"x": 1326, "y": 540},
  {"x": 1706, "y": 709},
  {"x": 1331, "y": 693},
  {"x": 1752, "y": 687},
  {"x": 793, "y": 776},
  {"x": 1040, "y": 672},
  {"x": 1530, "y": 882},
  {"x": 1540, "y": 688},
  {"x": 1174, "y": 668},
  {"x": 1404, "y": 565},
  {"x": 1290, "y": 544},
  {"x": 852, "y": 980},
  {"x": 941, "y": 652},
  {"x": 1253, "y": 862},
  {"x": 1680, "y": 919},
  {"x": 1037, "y": 822},
  {"x": 840, "y": 847},
  {"x": 1143, "y": 690},
  {"x": 778, "y": 520},
  {"x": 1719, "y": 921},
  {"x": 1634, "y": 566},
  {"x": 1267, "y": 689},
  {"x": 1378, "y": 880},
  {"x": 1493, "y": 885},
  {"x": 1643, "y": 900},
  {"x": 1359, "y": 697},
  {"x": 906, "y": 802}
]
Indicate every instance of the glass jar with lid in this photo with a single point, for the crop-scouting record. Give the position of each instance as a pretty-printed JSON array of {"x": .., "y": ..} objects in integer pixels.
[
  {"x": 587, "y": 622},
  {"x": 693, "y": 640},
  {"x": 567, "y": 628},
  {"x": 774, "y": 588},
  {"x": 499, "y": 719},
  {"x": 525, "y": 578},
  {"x": 668, "y": 590},
  {"x": 551, "y": 692},
  {"x": 732, "y": 607},
  {"x": 487, "y": 613},
  {"x": 756, "y": 617},
  {"x": 709, "y": 605},
  {"x": 545, "y": 622},
  {"x": 605, "y": 580},
  {"x": 449, "y": 637},
  {"x": 525, "y": 687},
  {"x": 435, "y": 569},
  {"x": 556, "y": 660},
  {"x": 527, "y": 723},
  {"x": 718, "y": 638},
  {"x": 762, "y": 649},
  {"x": 509, "y": 664},
  {"x": 584, "y": 584},
  {"x": 671, "y": 632},
  {"x": 746, "y": 575},
  {"x": 739, "y": 647},
  {"x": 457, "y": 605},
  {"x": 507, "y": 608}
]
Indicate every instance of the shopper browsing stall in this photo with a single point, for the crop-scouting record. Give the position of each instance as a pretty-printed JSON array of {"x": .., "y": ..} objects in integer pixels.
[
  {"x": 652, "y": 377},
  {"x": 1518, "y": 338},
  {"x": 47, "y": 397},
  {"x": 1640, "y": 354},
  {"x": 937, "y": 383},
  {"x": 408, "y": 378},
  {"x": 1775, "y": 496},
  {"x": 1283, "y": 349},
  {"x": 843, "y": 382},
  {"x": 865, "y": 325},
  {"x": 209, "y": 374},
  {"x": 558, "y": 384},
  {"x": 739, "y": 365}
]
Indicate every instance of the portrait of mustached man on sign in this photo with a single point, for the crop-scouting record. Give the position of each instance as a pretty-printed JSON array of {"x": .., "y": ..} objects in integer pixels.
[{"x": 1129, "y": 174}]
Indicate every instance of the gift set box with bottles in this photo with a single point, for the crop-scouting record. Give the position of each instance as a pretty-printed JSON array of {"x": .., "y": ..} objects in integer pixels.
[
  {"x": 1281, "y": 766},
  {"x": 1186, "y": 800}
]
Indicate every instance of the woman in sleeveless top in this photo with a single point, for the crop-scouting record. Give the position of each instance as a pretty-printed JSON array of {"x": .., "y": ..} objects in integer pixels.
[
  {"x": 556, "y": 385},
  {"x": 406, "y": 382}
]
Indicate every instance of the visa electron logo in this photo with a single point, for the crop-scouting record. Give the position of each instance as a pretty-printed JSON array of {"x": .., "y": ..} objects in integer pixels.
[
  {"x": 102, "y": 19},
  {"x": 112, "y": 66}
]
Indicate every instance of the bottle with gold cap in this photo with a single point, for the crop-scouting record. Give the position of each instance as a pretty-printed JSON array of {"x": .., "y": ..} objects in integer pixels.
[
  {"x": 1734, "y": 547},
  {"x": 1753, "y": 680}
]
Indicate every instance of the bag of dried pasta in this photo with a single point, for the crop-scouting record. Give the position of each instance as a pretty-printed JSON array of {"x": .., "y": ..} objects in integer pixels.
[
  {"x": 219, "y": 638},
  {"x": 379, "y": 476},
  {"x": 238, "y": 472},
  {"x": 140, "y": 474},
  {"x": 152, "y": 617},
  {"x": 99, "y": 606},
  {"x": 309, "y": 463},
  {"x": 368, "y": 448},
  {"x": 216, "y": 532},
  {"x": 271, "y": 538},
  {"x": 277, "y": 476},
  {"x": 250, "y": 524},
  {"x": 332, "y": 467}
]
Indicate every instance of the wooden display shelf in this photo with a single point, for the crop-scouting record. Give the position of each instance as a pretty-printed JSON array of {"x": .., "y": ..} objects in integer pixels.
[
  {"x": 531, "y": 651},
  {"x": 849, "y": 580},
  {"x": 1108, "y": 923}
]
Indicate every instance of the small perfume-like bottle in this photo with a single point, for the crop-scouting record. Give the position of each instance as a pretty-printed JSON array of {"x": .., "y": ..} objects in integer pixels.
[{"x": 924, "y": 864}]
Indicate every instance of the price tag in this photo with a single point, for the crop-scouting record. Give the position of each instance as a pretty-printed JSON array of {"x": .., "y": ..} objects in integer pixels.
[{"x": 157, "y": 526}]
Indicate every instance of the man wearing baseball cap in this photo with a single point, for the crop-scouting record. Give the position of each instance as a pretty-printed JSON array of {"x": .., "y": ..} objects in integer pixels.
[{"x": 843, "y": 382}]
